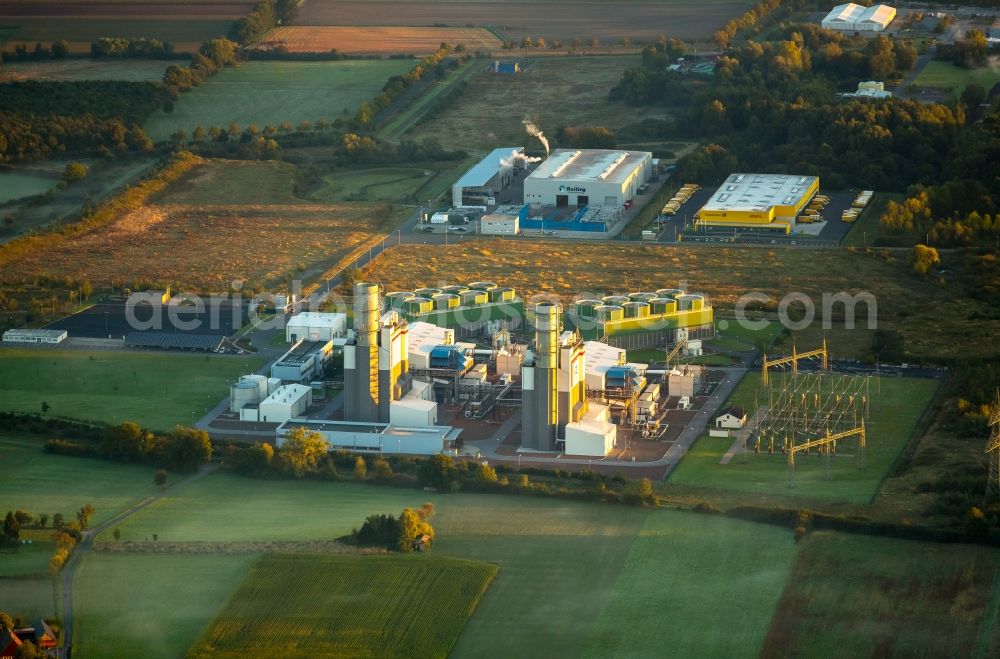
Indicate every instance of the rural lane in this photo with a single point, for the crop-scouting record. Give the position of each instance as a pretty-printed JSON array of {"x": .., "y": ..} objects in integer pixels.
[{"x": 87, "y": 541}]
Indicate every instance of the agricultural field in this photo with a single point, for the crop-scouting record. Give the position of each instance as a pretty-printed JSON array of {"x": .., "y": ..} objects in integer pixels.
[
  {"x": 894, "y": 415},
  {"x": 552, "y": 19},
  {"x": 858, "y": 596},
  {"x": 272, "y": 93},
  {"x": 30, "y": 598},
  {"x": 132, "y": 70},
  {"x": 905, "y": 302},
  {"x": 378, "y": 40},
  {"x": 213, "y": 221},
  {"x": 156, "y": 390},
  {"x": 354, "y": 606},
  {"x": 669, "y": 564},
  {"x": 150, "y": 605},
  {"x": 947, "y": 76},
  {"x": 553, "y": 91}
]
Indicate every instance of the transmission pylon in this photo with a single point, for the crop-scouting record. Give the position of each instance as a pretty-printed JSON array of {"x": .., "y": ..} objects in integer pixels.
[{"x": 993, "y": 449}]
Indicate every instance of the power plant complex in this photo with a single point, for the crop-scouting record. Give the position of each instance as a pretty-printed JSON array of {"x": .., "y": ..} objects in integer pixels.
[{"x": 479, "y": 350}]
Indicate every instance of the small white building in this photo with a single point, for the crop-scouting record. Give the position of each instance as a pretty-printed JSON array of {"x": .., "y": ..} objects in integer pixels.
[
  {"x": 417, "y": 409},
  {"x": 287, "y": 402},
  {"x": 315, "y": 326},
  {"x": 851, "y": 17},
  {"x": 593, "y": 435},
  {"x": 374, "y": 437},
  {"x": 51, "y": 336},
  {"x": 499, "y": 225},
  {"x": 732, "y": 419},
  {"x": 250, "y": 390}
]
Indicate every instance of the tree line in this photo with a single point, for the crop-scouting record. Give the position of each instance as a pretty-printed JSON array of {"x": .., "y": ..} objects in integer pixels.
[
  {"x": 264, "y": 17},
  {"x": 182, "y": 449}
]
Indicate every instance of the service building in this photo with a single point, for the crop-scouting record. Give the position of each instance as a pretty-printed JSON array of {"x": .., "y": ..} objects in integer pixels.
[
  {"x": 584, "y": 177},
  {"x": 759, "y": 201},
  {"x": 851, "y": 17}
]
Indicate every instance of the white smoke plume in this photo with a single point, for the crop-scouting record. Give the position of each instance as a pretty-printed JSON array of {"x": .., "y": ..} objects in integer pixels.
[
  {"x": 533, "y": 130},
  {"x": 517, "y": 158}
]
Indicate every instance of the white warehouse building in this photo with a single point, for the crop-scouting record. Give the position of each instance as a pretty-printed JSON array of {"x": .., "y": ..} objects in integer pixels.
[
  {"x": 480, "y": 185},
  {"x": 588, "y": 177},
  {"x": 856, "y": 18},
  {"x": 315, "y": 326}
]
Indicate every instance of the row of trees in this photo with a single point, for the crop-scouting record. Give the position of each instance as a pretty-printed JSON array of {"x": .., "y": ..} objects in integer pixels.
[
  {"x": 183, "y": 449},
  {"x": 211, "y": 57},
  {"x": 139, "y": 47},
  {"x": 748, "y": 22},
  {"x": 55, "y": 50},
  {"x": 397, "y": 85},
  {"x": 265, "y": 16}
]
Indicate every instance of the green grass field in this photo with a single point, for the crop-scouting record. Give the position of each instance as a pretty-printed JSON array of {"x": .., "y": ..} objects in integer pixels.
[
  {"x": 685, "y": 569},
  {"x": 945, "y": 75},
  {"x": 234, "y": 182},
  {"x": 156, "y": 390},
  {"x": 50, "y": 484},
  {"x": 16, "y": 185},
  {"x": 858, "y": 596},
  {"x": 271, "y": 93},
  {"x": 383, "y": 184},
  {"x": 352, "y": 606},
  {"x": 150, "y": 605},
  {"x": 135, "y": 70},
  {"x": 867, "y": 230},
  {"x": 30, "y": 598},
  {"x": 32, "y": 558},
  {"x": 894, "y": 414}
]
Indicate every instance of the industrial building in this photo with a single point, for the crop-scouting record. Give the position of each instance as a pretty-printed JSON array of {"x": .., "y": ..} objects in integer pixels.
[
  {"x": 373, "y": 437},
  {"x": 644, "y": 319},
  {"x": 500, "y": 224},
  {"x": 554, "y": 404},
  {"x": 287, "y": 402},
  {"x": 850, "y": 17},
  {"x": 758, "y": 202},
  {"x": 490, "y": 176},
  {"x": 50, "y": 336},
  {"x": 304, "y": 362},
  {"x": 585, "y": 177},
  {"x": 315, "y": 326}
]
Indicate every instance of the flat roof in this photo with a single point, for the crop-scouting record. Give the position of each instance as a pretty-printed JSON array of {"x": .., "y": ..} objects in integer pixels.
[
  {"x": 27, "y": 331},
  {"x": 316, "y": 318},
  {"x": 287, "y": 393},
  {"x": 302, "y": 351},
  {"x": 608, "y": 165},
  {"x": 481, "y": 173},
  {"x": 758, "y": 192},
  {"x": 148, "y": 339}
]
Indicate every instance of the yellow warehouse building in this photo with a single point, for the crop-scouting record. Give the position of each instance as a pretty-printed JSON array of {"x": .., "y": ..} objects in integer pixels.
[{"x": 758, "y": 201}]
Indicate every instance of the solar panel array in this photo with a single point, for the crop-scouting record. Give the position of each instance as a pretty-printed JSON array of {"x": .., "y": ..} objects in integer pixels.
[{"x": 174, "y": 340}]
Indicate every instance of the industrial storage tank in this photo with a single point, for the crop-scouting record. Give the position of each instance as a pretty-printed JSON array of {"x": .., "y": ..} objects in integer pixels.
[
  {"x": 615, "y": 300},
  {"x": 505, "y": 294},
  {"x": 248, "y": 390},
  {"x": 445, "y": 301},
  {"x": 644, "y": 296},
  {"x": 636, "y": 309},
  {"x": 418, "y": 305},
  {"x": 691, "y": 302},
  {"x": 427, "y": 292},
  {"x": 483, "y": 285},
  {"x": 454, "y": 289},
  {"x": 474, "y": 298},
  {"x": 662, "y": 306},
  {"x": 586, "y": 308},
  {"x": 609, "y": 313},
  {"x": 669, "y": 292},
  {"x": 396, "y": 299}
]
